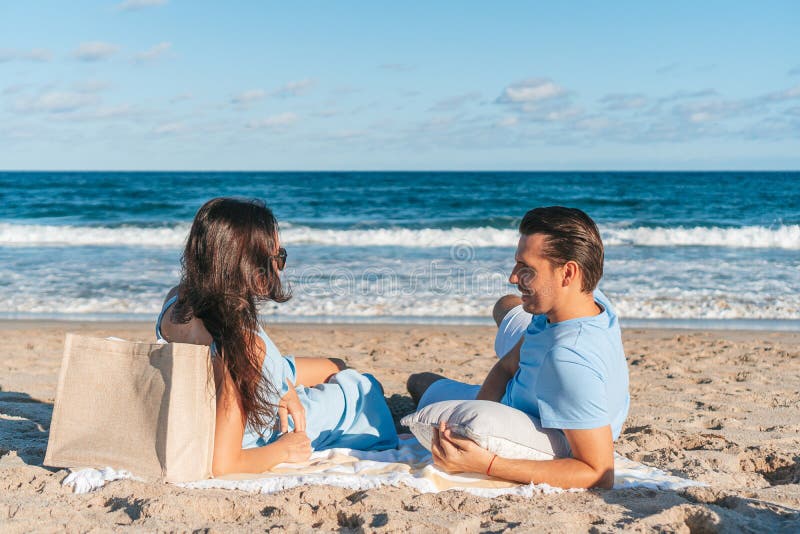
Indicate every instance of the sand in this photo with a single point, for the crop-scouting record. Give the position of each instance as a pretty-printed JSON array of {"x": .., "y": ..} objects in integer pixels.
[{"x": 720, "y": 407}]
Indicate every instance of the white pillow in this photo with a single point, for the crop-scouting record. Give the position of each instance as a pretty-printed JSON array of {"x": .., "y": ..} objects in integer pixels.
[{"x": 503, "y": 430}]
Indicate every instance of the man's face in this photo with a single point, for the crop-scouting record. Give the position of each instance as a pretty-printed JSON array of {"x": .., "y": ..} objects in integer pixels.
[{"x": 534, "y": 276}]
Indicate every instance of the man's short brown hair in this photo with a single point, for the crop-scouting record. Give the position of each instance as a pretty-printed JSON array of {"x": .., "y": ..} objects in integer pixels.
[{"x": 571, "y": 236}]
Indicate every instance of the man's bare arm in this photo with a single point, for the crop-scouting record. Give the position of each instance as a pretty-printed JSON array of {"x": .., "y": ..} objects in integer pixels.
[
  {"x": 494, "y": 387},
  {"x": 592, "y": 464}
]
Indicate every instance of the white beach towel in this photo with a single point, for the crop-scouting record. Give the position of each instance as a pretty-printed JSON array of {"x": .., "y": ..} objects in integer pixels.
[{"x": 408, "y": 465}]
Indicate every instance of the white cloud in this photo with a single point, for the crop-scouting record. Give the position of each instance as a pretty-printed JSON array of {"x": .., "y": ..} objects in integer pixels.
[
  {"x": 531, "y": 91},
  {"x": 700, "y": 116},
  {"x": 102, "y": 113},
  {"x": 153, "y": 52},
  {"x": 294, "y": 88},
  {"x": 507, "y": 122},
  {"x": 344, "y": 135},
  {"x": 688, "y": 95},
  {"x": 274, "y": 121},
  {"x": 788, "y": 94},
  {"x": 95, "y": 51},
  {"x": 248, "y": 97},
  {"x": 710, "y": 110},
  {"x": 91, "y": 86},
  {"x": 56, "y": 102},
  {"x": 39, "y": 54},
  {"x": 133, "y": 5},
  {"x": 539, "y": 100},
  {"x": 563, "y": 114},
  {"x": 35, "y": 54},
  {"x": 679, "y": 117},
  {"x": 113, "y": 112},
  {"x": 624, "y": 101},
  {"x": 168, "y": 128}
]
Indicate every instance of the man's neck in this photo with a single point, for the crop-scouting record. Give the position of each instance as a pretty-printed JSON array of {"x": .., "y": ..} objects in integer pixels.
[{"x": 583, "y": 305}]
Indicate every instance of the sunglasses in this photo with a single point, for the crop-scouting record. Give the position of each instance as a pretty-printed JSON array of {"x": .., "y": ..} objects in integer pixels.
[{"x": 280, "y": 258}]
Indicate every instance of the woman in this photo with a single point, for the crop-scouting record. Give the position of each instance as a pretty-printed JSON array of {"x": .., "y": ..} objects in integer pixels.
[{"x": 270, "y": 408}]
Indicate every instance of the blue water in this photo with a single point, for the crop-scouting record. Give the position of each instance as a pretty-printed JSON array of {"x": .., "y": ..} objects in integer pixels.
[
  {"x": 415, "y": 200},
  {"x": 722, "y": 247}
]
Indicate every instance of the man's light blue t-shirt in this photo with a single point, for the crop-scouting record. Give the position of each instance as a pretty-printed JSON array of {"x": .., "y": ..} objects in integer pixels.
[{"x": 573, "y": 374}]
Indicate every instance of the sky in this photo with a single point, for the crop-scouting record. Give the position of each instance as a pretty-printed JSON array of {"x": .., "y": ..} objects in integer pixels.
[{"x": 257, "y": 85}]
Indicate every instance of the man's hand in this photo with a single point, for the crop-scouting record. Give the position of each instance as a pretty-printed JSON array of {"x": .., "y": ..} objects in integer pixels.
[
  {"x": 290, "y": 405},
  {"x": 456, "y": 454},
  {"x": 591, "y": 466}
]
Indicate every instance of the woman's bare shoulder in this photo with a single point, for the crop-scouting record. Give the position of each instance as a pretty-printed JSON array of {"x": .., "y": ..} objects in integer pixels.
[
  {"x": 193, "y": 331},
  {"x": 171, "y": 293}
]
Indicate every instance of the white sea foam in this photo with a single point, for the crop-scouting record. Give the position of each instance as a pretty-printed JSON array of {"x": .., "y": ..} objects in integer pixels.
[
  {"x": 692, "y": 305},
  {"x": 402, "y": 237},
  {"x": 784, "y": 237},
  {"x": 777, "y": 237},
  {"x": 50, "y": 235}
]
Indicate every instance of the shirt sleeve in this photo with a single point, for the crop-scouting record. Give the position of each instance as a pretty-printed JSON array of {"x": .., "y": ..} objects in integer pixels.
[{"x": 571, "y": 393}]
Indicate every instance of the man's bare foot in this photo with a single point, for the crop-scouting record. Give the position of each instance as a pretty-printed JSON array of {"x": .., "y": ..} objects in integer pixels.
[{"x": 418, "y": 384}]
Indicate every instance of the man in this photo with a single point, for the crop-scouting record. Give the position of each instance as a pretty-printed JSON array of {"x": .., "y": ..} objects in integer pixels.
[{"x": 561, "y": 358}]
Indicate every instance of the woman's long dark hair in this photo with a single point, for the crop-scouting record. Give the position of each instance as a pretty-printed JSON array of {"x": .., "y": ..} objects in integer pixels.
[{"x": 228, "y": 267}]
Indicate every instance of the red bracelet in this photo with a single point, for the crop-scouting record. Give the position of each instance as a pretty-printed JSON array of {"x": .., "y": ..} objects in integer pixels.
[{"x": 490, "y": 465}]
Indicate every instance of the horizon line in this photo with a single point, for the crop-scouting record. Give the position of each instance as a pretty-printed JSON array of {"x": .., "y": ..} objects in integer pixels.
[{"x": 396, "y": 170}]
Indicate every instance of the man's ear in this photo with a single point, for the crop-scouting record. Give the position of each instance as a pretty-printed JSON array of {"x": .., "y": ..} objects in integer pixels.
[{"x": 569, "y": 273}]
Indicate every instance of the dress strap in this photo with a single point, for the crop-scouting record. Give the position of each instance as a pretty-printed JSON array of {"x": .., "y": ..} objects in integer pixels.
[{"x": 167, "y": 304}]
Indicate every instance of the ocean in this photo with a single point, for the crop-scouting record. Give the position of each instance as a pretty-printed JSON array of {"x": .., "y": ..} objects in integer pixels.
[{"x": 712, "y": 249}]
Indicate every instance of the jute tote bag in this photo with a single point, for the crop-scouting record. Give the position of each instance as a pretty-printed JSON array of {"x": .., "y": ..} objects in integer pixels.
[{"x": 143, "y": 407}]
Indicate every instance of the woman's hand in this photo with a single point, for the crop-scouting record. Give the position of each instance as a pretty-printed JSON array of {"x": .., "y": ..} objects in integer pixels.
[
  {"x": 455, "y": 454},
  {"x": 290, "y": 405},
  {"x": 297, "y": 446}
]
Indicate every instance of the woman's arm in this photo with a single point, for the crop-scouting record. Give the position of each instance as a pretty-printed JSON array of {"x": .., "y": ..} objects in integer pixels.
[
  {"x": 193, "y": 332},
  {"x": 171, "y": 293},
  {"x": 229, "y": 457},
  {"x": 310, "y": 371},
  {"x": 313, "y": 371}
]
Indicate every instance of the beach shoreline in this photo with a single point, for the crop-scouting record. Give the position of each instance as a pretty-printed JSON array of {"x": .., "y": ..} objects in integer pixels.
[
  {"x": 717, "y": 406},
  {"x": 723, "y": 326}
]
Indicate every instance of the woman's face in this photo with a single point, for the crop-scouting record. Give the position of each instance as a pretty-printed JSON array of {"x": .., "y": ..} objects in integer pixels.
[
  {"x": 277, "y": 261},
  {"x": 278, "y": 252}
]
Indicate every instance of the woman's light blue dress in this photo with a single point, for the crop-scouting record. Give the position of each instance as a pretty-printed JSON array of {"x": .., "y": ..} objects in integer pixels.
[{"x": 347, "y": 411}]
